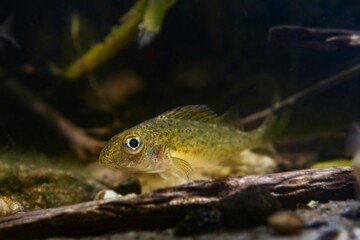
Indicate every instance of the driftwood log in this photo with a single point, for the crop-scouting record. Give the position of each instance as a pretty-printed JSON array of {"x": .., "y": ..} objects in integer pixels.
[
  {"x": 165, "y": 207},
  {"x": 314, "y": 38}
]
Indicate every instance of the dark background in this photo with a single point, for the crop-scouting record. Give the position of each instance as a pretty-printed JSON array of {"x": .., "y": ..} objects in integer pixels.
[{"x": 210, "y": 52}]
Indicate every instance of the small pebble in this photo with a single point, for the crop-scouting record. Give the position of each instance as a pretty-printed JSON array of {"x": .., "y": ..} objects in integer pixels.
[
  {"x": 285, "y": 222},
  {"x": 310, "y": 205},
  {"x": 106, "y": 194},
  {"x": 9, "y": 206},
  {"x": 352, "y": 211},
  {"x": 313, "y": 204},
  {"x": 4, "y": 208}
]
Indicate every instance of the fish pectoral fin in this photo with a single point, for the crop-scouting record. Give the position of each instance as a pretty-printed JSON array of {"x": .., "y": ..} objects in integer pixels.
[
  {"x": 164, "y": 176},
  {"x": 182, "y": 168}
]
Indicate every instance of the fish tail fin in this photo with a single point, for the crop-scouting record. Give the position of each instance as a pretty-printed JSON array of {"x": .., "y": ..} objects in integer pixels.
[
  {"x": 7, "y": 32},
  {"x": 353, "y": 140},
  {"x": 264, "y": 134}
]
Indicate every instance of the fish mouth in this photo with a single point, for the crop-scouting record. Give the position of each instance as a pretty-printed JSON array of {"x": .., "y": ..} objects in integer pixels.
[{"x": 116, "y": 165}]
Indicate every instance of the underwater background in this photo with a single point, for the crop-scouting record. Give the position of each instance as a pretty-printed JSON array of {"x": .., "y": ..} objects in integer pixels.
[
  {"x": 207, "y": 52},
  {"x": 76, "y": 73}
]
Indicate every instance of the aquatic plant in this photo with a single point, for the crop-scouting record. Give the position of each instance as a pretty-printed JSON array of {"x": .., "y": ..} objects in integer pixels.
[{"x": 145, "y": 17}]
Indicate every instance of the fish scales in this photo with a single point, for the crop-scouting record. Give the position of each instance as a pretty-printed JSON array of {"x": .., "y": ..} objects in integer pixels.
[{"x": 209, "y": 141}]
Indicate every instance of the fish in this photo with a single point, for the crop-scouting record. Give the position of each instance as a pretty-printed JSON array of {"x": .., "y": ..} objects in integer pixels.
[
  {"x": 181, "y": 140},
  {"x": 6, "y": 33}
]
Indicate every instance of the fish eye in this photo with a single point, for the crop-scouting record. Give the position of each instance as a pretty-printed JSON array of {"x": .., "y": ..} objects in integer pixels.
[{"x": 133, "y": 144}]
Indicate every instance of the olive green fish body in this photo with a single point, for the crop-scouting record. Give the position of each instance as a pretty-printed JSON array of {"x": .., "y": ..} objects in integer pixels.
[
  {"x": 201, "y": 141},
  {"x": 178, "y": 141}
]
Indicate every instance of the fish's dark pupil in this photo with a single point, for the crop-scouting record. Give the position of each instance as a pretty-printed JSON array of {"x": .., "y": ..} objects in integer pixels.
[{"x": 134, "y": 143}]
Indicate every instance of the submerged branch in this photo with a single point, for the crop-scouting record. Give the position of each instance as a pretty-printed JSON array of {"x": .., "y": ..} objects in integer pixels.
[
  {"x": 79, "y": 140},
  {"x": 314, "y": 89},
  {"x": 165, "y": 207},
  {"x": 314, "y": 38}
]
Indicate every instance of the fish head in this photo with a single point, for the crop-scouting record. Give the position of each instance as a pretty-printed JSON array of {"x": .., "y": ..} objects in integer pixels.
[{"x": 136, "y": 150}]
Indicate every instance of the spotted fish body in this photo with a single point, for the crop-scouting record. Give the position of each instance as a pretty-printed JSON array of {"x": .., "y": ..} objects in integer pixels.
[{"x": 178, "y": 141}]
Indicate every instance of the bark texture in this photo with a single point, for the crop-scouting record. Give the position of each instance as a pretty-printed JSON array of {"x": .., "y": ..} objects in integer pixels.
[{"x": 165, "y": 207}]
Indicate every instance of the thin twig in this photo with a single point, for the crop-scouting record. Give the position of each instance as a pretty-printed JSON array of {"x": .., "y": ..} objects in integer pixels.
[
  {"x": 315, "y": 89},
  {"x": 79, "y": 140}
]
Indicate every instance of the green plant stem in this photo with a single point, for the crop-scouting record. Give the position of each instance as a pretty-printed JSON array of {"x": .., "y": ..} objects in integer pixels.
[{"x": 116, "y": 40}]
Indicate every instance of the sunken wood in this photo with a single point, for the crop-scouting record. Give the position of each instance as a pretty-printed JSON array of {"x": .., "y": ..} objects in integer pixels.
[
  {"x": 314, "y": 38},
  {"x": 165, "y": 207}
]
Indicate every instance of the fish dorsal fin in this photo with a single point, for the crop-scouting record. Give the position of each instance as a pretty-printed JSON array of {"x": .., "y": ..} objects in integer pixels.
[
  {"x": 200, "y": 113},
  {"x": 231, "y": 119}
]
